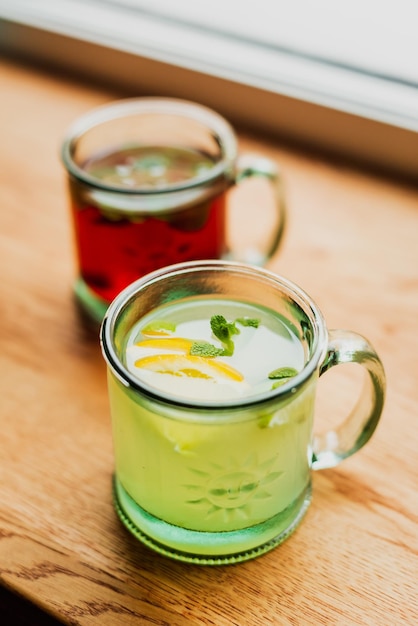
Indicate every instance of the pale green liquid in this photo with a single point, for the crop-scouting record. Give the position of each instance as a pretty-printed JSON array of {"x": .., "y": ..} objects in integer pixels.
[
  {"x": 257, "y": 351},
  {"x": 217, "y": 473}
]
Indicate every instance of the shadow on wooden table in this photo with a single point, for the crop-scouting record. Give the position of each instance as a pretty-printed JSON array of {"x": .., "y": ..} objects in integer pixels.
[{"x": 16, "y": 611}]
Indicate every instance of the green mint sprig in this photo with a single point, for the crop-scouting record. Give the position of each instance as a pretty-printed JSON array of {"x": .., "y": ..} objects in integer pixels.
[{"x": 224, "y": 331}]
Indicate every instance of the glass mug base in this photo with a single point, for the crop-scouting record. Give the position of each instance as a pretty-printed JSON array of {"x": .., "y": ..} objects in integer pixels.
[
  {"x": 208, "y": 548},
  {"x": 90, "y": 304}
]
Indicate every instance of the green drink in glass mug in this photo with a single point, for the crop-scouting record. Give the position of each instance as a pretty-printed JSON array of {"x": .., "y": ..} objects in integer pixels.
[{"x": 212, "y": 375}]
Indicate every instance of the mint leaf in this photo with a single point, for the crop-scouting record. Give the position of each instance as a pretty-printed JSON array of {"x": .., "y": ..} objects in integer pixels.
[
  {"x": 279, "y": 383},
  {"x": 248, "y": 321},
  {"x": 264, "y": 420},
  {"x": 223, "y": 331},
  {"x": 203, "y": 348},
  {"x": 283, "y": 372}
]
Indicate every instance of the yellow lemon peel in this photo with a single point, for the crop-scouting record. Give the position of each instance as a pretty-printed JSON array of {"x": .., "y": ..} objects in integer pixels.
[
  {"x": 189, "y": 365},
  {"x": 155, "y": 333},
  {"x": 167, "y": 343}
]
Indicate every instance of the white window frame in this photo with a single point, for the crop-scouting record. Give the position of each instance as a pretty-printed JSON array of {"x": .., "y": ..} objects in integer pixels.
[{"x": 297, "y": 96}]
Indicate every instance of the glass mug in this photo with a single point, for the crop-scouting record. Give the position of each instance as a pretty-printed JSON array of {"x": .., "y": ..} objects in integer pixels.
[
  {"x": 221, "y": 481},
  {"x": 148, "y": 182}
]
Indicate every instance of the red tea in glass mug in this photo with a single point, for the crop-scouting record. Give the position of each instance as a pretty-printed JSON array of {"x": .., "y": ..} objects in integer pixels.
[{"x": 148, "y": 181}]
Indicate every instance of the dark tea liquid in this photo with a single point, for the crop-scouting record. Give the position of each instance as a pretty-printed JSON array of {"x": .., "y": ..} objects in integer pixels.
[{"x": 115, "y": 246}]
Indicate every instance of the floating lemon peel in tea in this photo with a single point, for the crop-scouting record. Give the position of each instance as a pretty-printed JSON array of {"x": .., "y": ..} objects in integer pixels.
[{"x": 196, "y": 359}]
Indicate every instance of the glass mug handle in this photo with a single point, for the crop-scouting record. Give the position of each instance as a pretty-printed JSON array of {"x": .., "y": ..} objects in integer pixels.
[
  {"x": 331, "y": 447},
  {"x": 250, "y": 166}
]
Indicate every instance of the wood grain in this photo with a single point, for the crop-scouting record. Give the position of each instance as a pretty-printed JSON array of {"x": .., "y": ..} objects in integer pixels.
[{"x": 352, "y": 243}]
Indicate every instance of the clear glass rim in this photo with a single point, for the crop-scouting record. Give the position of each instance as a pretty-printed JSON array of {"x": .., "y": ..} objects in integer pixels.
[
  {"x": 218, "y": 125},
  {"x": 126, "y": 296}
]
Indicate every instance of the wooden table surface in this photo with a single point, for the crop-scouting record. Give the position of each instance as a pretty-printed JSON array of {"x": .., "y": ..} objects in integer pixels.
[{"x": 352, "y": 243}]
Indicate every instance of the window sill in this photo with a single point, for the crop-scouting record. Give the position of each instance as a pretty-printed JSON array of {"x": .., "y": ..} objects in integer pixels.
[{"x": 340, "y": 112}]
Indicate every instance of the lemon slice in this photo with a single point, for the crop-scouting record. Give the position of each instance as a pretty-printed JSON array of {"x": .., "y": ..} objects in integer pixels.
[
  {"x": 158, "y": 328},
  {"x": 190, "y": 366},
  {"x": 167, "y": 343}
]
